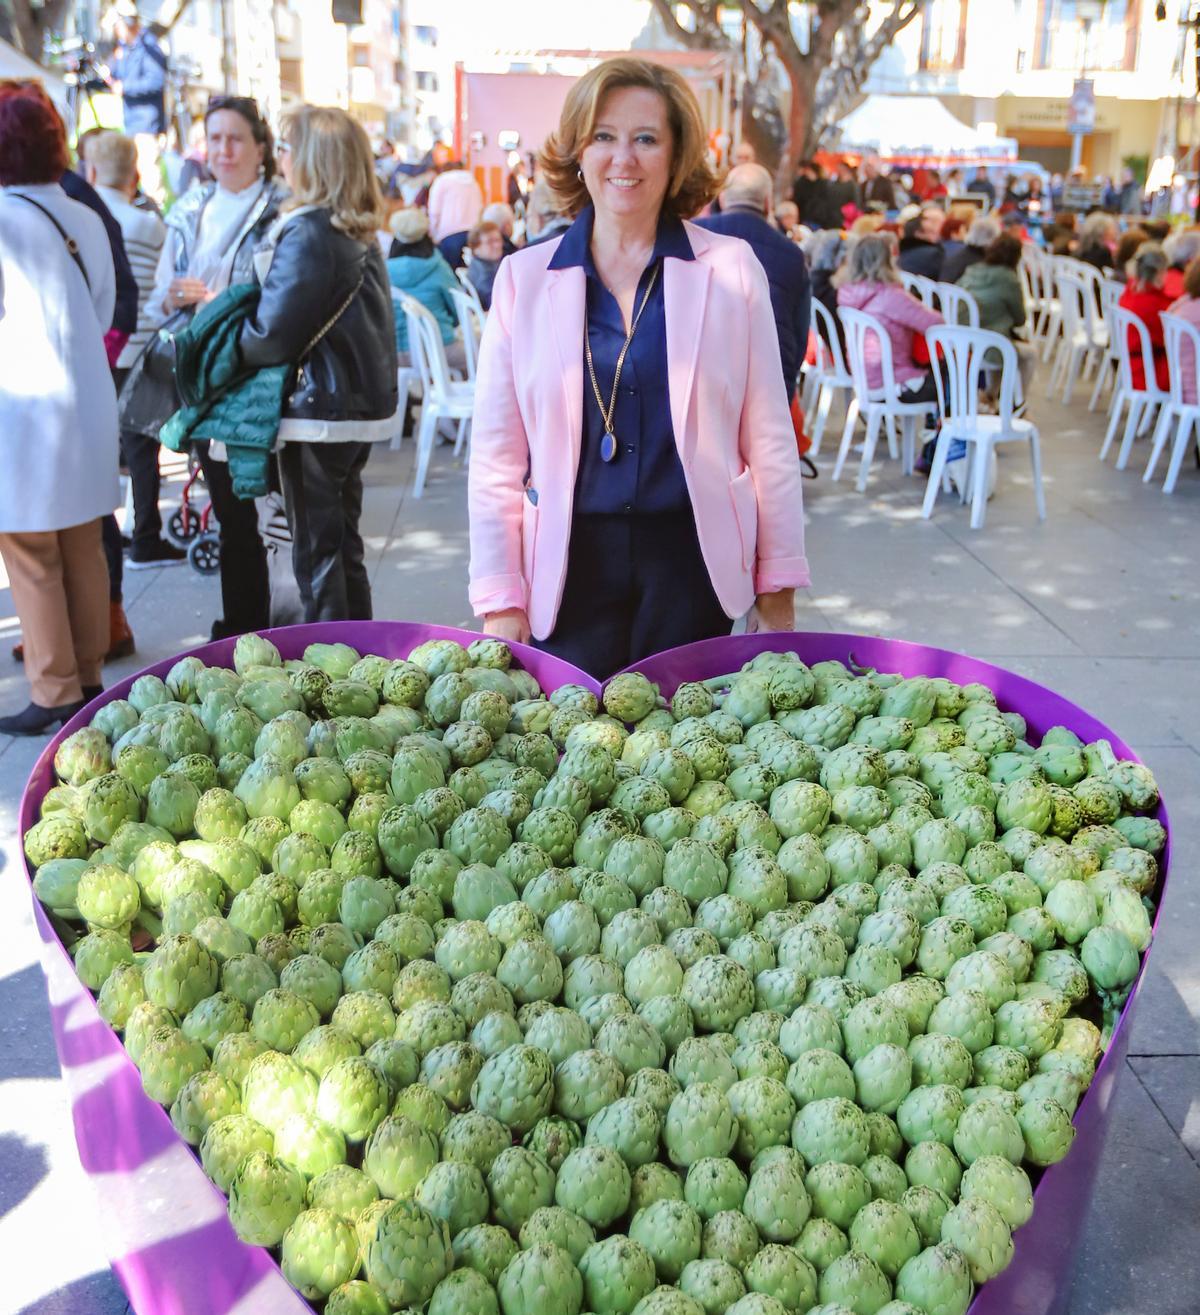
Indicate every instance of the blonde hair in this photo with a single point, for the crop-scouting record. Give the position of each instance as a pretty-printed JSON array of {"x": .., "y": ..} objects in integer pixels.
[
  {"x": 866, "y": 224},
  {"x": 693, "y": 183},
  {"x": 114, "y": 158},
  {"x": 333, "y": 166}
]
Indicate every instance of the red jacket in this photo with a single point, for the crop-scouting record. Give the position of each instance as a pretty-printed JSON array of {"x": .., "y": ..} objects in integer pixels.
[
  {"x": 1147, "y": 303},
  {"x": 1173, "y": 283}
]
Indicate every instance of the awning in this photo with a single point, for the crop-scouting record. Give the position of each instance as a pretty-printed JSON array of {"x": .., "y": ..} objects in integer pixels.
[
  {"x": 13, "y": 64},
  {"x": 919, "y": 131}
]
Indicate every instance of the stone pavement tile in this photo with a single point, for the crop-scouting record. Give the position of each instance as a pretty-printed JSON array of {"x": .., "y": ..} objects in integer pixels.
[
  {"x": 1147, "y": 699},
  {"x": 1142, "y": 1234},
  {"x": 1173, "y": 1083},
  {"x": 94, "y": 1294},
  {"x": 1167, "y": 1021}
]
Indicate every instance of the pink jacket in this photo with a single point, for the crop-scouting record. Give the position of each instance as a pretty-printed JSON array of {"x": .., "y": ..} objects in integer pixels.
[
  {"x": 455, "y": 204},
  {"x": 729, "y": 409},
  {"x": 902, "y": 316}
]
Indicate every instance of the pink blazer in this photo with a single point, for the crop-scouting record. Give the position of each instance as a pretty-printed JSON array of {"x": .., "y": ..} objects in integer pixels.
[{"x": 729, "y": 410}]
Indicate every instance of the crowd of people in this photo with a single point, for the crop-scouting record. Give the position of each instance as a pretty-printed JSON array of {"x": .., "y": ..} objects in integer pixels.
[
  {"x": 255, "y": 316},
  {"x": 250, "y": 323}
]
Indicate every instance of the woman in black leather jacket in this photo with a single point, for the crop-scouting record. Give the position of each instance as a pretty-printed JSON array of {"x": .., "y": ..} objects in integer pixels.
[{"x": 326, "y": 308}]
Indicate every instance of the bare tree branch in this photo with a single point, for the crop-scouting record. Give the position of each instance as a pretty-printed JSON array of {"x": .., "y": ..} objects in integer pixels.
[
  {"x": 707, "y": 33},
  {"x": 824, "y": 73}
]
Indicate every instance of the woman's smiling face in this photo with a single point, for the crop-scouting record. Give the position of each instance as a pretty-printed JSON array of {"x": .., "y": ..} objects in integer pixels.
[{"x": 627, "y": 160}]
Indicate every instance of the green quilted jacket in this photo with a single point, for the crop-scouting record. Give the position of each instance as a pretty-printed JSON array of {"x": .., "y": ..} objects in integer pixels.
[{"x": 223, "y": 399}]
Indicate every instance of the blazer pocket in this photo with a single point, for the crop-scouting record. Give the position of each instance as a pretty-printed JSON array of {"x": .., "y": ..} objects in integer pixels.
[
  {"x": 529, "y": 525},
  {"x": 745, "y": 511}
]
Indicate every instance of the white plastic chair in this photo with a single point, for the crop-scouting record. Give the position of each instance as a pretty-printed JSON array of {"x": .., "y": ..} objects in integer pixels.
[
  {"x": 471, "y": 319},
  {"x": 965, "y": 352},
  {"x": 1142, "y": 402},
  {"x": 881, "y": 406},
  {"x": 1184, "y": 416},
  {"x": 469, "y": 288},
  {"x": 829, "y": 377},
  {"x": 442, "y": 397},
  {"x": 954, "y": 300},
  {"x": 1083, "y": 339},
  {"x": 1109, "y": 291},
  {"x": 924, "y": 289},
  {"x": 1050, "y": 322},
  {"x": 406, "y": 377}
]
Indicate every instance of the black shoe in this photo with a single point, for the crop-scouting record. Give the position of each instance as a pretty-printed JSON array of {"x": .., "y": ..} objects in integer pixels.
[
  {"x": 156, "y": 553},
  {"x": 807, "y": 469},
  {"x": 220, "y": 630},
  {"x": 36, "y": 720}
]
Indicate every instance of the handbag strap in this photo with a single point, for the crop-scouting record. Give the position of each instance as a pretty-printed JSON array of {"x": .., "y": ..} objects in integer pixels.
[
  {"x": 72, "y": 245},
  {"x": 337, "y": 315}
]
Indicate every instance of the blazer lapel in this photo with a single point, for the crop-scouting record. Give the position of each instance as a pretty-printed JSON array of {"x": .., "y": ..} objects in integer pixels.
[
  {"x": 568, "y": 307},
  {"x": 685, "y": 291}
]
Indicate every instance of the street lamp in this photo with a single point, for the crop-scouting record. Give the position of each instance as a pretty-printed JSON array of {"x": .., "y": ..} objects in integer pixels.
[{"x": 1087, "y": 12}]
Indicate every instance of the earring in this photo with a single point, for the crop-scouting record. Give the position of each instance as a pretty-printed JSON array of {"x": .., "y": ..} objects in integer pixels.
[{"x": 579, "y": 174}]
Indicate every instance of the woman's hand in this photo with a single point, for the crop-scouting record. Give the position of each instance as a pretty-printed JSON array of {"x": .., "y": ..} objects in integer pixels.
[
  {"x": 775, "y": 611},
  {"x": 511, "y": 625},
  {"x": 185, "y": 292}
]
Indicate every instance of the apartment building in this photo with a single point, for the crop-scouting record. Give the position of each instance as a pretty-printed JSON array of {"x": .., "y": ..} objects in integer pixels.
[{"x": 1012, "y": 65}]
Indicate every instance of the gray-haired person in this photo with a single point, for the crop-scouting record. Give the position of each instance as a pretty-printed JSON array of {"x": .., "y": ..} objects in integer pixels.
[
  {"x": 826, "y": 251},
  {"x": 982, "y": 233}
]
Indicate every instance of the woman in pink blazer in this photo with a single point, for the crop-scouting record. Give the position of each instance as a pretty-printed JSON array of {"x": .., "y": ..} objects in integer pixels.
[{"x": 634, "y": 479}]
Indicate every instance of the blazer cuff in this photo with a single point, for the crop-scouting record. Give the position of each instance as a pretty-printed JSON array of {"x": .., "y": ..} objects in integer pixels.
[
  {"x": 498, "y": 593},
  {"x": 777, "y": 573}
]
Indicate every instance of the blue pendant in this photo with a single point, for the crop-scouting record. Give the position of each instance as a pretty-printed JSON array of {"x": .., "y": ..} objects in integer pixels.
[{"x": 608, "y": 447}]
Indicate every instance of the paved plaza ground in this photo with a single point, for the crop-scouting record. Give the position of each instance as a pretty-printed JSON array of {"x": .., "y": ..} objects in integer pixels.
[{"x": 1101, "y": 602}]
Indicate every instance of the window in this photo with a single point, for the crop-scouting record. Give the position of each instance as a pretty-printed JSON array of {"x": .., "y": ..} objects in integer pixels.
[
  {"x": 362, "y": 56},
  {"x": 943, "y": 35},
  {"x": 428, "y": 35},
  {"x": 1079, "y": 34},
  {"x": 426, "y": 81},
  {"x": 398, "y": 71}
]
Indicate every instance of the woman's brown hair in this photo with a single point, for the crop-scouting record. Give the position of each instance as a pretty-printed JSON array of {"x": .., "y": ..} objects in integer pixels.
[
  {"x": 1005, "y": 250},
  {"x": 1191, "y": 279},
  {"x": 693, "y": 183},
  {"x": 1129, "y": 242}
]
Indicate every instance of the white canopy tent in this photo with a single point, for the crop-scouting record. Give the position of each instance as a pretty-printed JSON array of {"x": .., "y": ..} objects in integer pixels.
[
  {"x": 13, "y": 64},
  {"x": 919, "y": 131}
]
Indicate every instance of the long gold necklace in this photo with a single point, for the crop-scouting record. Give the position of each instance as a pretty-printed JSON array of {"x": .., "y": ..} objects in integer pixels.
[{"x": 608, "y": 444}]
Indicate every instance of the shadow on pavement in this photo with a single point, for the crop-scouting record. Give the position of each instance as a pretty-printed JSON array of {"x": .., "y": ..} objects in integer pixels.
[
  {"x": 23, "y": 1165},
  {"x": 26, "y": 1042},
  {"x": 95, "y": 1294}
]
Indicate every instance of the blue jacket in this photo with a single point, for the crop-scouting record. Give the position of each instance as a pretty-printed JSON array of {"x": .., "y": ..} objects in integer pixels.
[
  {"x": 142, "y": 73},
  {"x": 429, "y": 279},
  {"x": 787, "y": 275}
]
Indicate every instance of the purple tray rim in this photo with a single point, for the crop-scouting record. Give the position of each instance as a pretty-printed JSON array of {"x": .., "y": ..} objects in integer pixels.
[{"x": 905, "y": 656}]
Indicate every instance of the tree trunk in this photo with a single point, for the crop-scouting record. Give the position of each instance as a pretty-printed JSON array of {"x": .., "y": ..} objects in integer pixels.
[
  {"x": 27, "y": 29},
  {"x": 29, "y": 24},
  {"x": 799, "y": 144}
]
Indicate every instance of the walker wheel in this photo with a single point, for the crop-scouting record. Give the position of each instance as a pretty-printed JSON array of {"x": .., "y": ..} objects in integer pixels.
[
  {"x": 204, "y": 554},
  {"x": 175, "y": 530}
]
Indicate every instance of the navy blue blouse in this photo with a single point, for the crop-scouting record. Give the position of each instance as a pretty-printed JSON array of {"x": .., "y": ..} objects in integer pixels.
[{"x": 646, "y": 474}]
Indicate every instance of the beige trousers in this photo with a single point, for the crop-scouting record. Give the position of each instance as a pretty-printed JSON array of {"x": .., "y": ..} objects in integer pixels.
[{"x": 59, "y": 583}]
